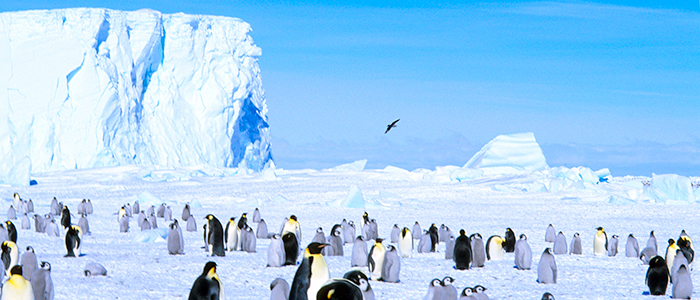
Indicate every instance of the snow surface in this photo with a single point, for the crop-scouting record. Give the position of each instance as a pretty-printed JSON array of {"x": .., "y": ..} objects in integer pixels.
[
  {"x": 144, "y": 270},
  {"x": 88, "y": 87}
]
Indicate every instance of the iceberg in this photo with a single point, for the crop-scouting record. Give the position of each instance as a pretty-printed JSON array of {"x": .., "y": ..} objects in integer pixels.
[
  {"x": 508, "y": 154},
  {"x": 85, "y": 87},
  {"x": 671, "y": 187}
]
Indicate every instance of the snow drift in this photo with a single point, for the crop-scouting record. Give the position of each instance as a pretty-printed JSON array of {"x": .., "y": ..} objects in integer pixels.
[
  {"x": 84, "y": 88},
  {"x": 510, "y": 153}
]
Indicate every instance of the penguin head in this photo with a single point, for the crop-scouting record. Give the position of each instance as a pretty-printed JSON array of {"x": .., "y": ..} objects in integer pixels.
[
  {"x": 46, "y": 265},
  {"x": 651, "y": 233},
  {"x": 319, "y": 230},
  {"x": 657, "y": 261},
  {"x": 378, "y": 241},
  {"x": 548, "y": 251},
  {"x": 479, "y": 289},
  {"x": 315, "y": 248},
  {"x": 523, "y": 237},
  {"x": 30, "y": 249},
  {"x": 209, "y": 217},
  {"x": 467, "y": 291},
  {"x": 435, "y": 282},
  {"x": 16, "y": 270},
  {"x": 447, "y": 281},
  {"x": 576, "y": 235},
  {"x": 600, "y": 229},
  {"x": 462, "y": 232},
  {"x": 671, "y": 242},
  {"x": 404, "y": 231},
  {"x": 508, "y": 230},
  {"x": 209, "y": 269},
  {"x": 547, "y": 296},
  {"x": 232, "y": 220},
  {"x": 630, "y": 236},
  {"x": 293, "y": 217}
]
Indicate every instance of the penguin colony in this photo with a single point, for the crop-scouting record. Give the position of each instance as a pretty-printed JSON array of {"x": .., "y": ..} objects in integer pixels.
[{"x": 30, "y": 280}]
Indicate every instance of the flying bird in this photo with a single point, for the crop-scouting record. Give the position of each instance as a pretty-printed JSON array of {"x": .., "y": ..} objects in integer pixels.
[{"x": 392, "y": 125}]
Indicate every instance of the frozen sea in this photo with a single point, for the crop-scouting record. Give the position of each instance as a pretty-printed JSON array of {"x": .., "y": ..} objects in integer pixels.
[{"x": 145, "y": 270}]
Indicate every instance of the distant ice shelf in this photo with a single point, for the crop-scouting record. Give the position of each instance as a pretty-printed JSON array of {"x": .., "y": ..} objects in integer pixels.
[{"x": 83, "y": 88}]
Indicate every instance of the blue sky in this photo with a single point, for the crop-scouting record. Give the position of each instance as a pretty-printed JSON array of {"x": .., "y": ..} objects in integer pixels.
[{"x": 601, "y": 84}]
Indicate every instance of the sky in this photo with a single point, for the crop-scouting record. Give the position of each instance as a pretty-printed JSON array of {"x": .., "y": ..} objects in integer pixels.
[{"x": 602, "y": 84}]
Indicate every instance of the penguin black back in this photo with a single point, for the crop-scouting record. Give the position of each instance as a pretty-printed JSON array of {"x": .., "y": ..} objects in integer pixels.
[
  {"x": 291, "y": 248},
  {"x": 510, "y": 241},
  {"x": 339, "y": 289},
  {"x": 11, "y": 231},
  {"x": 72, "y": 241},
  {"x": 216, "y": 236},
  {"x": 685, "y": 245},
  {"x": 65, "y": 217},
  {"x": 434, "y": 237},
  {"x": 657, "y": 276},
  {"x": 462, "y": 254},
  {"x": 243, "y": 221},
  {"x": 208, "y": 285}
]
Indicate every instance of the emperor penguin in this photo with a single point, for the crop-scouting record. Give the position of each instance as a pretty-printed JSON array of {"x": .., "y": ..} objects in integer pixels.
[
  {"x": 478, "y": 250},
  {"x": 12, "y": 213},
  {"x": 550, "y": 234},
  {"x": 576, "y": 247},
  {"x": 81, "y": 206},
  {"x": 359, "y": 253},
  {"x": 65, "y": 217},
  {"x": 367, "y": 233},
  {"x": 39, "y": 223},
  {"x": 424, "y": 243},
  {"x": 185, "y": 212},
  {"x": 168, "y": 214},
  {"x": 251, "y": 242},
  {"x": 124, "y": 224},
  {"x": 74, "y": 237},
  {"x": 651, "y": 242},
  {"x": 30, "y": 206},
  {"x": 292, "y": 225},
  {"x": 141, "y": 218},
  {"x": 191, "y": 224},
  {"x": 523, "y": 254},
  {"x": 279, "y": 289},
  {"x": 547, "y": 296},
  {"x": 83, "y": 223},
  {"x": 467, "y": 294},
  {"x": 145, "y": 225},
  {"x": 405, "y": 243},
  {"x": 207, "y": 286},
  {"x": 320, "y": 237},
  {"x": 52, "y": 229},
  {"x": 16, "y": 199},
  {"x": 275, "y": 252},
  {"x": 479, "y": 292},
  {"x": 261, "y": 231},
  {"x": 16, "y": 287},
  {"x": 11, "y": 231},
  {"x": 671, "y": 251},
  {"x": 442, "y": 233},
  {"x": 375, "y": 259},
  {"x": 215, "y": 236},
  {"x": 256, "y": 215},
  {"x": 29, "y": 263},
  {"x": 360, "y": 279},
  {"x": 677, "y": 263},
  {"x": 9, "y": 255},
  {"x": 392, "y": 265},
  {"x": 450, "y": 248},
  {"x": 417, "y": 231},
  {"x": 686, "y": 246},
  {"x": 339, "y": 289},
  {"x": 434, "y": 239},
  {"x": 657, "y": 276},
  {"x": 647, "y": 254},
  {"x": 175, "y": 241},
  {"x": 231, "y": 234},
  {"x": 25, "y": 222},
  {"x": 311, "y": 275},
  {"x": 42, "y": 285},
  {"x": 55, "y": 208},
  {"x": 435, "y": 290},
  {"x": 682, "y": 284},
  {"x": 336, "y": 241},
  {"x": 161, "y": 210},
  {"x": 153, "y": 220},
  {"x": 94, "y": 269},
  {"x": 395, "y": 233},
  {"x": 509, "y": 245},
  {"x": 600, "y": 242},
  {"x": 242, "y": 225},
  {"x": 631, "y": 247},
  {"x": 559, "y": 246},
  {"x": 136, "y": 208},
  {"x": 547, "y": 268},
  {"x": 494, "y": 248},
  {"x": 450, "y": 290},
  {"x": 462, "y": 254},
  {"x": 612, "y": 245},
  {"x": 89, "y": 209},
  {"x": 291, "y": 248},
  {"x": 349, "y": 232}
]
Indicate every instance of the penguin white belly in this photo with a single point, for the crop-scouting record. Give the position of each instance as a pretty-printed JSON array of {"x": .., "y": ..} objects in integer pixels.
[
  {"x": 233, "y": 238},
  {"x": 319, "y": 276},
  {"x": 378, "y": 258},
  {"x": 406, "y": 245},
  {"x": 599, "y": 244}
]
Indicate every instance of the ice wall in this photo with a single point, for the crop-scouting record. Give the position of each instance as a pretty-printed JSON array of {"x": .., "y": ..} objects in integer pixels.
[
  {"x": 82, "y": 88},
  {"x": 511, "y": 153}
]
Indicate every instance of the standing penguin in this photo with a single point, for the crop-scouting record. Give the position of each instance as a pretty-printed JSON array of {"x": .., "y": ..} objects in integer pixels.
[
  {"x": 74, "y": 237},
  {"x": 686, "y": 246},
  {"x": 55, "y": 209},
  {"x": 52, "y": 229},
  {"x": 523, "y": 254},
  {"x": 467, "y": 294},
  {"x": 395, "y": 233},
  {"x": 494, "y": 248},
  {"x": 576, "y": 247},
  {"x": 185, "y": 212},
  {"x": 261, "y": 232},
  {"x": 336, "y": 241},
  {"x": 251, "y": 242},
  {"x": 124, "y": 224},
  {"x": 311, "y": 275},
  {"x": 215, "y": 236},
  {"x": 275, "y": 252},
  {"x": 207, "y": 286},
  {"x": 359, "y": 253},
  {"x": 547, "y": 268},
  {"x": 279, "y": 289},
  {"x": 65, "y": 217},
  {"x": 25, "y": 222},
  {"x": 29, "y": 263},
  {"x": 434, "y": 238},
  {"x": 231, "y": 235},
  {"x": 42, "y": 285},
  {"x": 175, "y": 241},
  {"x": 550, "y": 234},
  {"x": 509, "y": 245},
  {"x": 136, "y": 208},
  {"x": 657, "y": 276},
  {"x": 11, "y": 231},
  {"x": 291, "y": 248},
  {"x": 9, "y": 256},
  {"x": 160, "y": 213},
  {"x": 16, "y": 287},
  {"x": 405, "y": 243},
  {"x": 424, "y": 243},
  {"x": 256, "y": 216},
  {"x": 168, "y": 214},
  {"x": 375, "y": 259},
  {"x": 682, "y": 284},
  {"x": 339, "y": 289},
  {"x": 360, "y": 279},
  {"x": 191, "y": 224},
  {"x": 559, "y": 246},
  {"x": 671, "y": 251},
  {"x": 416, "y": 231},
  {"x": 450, "y": 248},
  {"x": 677, "y": 263},
  {"x": 631, "y": 247},
  {"x": 392, "y": 265},
  {"x": 39, "y": 223},
  {"x": 349, "y": 231},
  {"x": 612, "y": 245},
  {"x": 320, "y": 237},
  {"x": 600, "y": 242},
  {"x": 450, "y": 290},
  {"x": 88, "y": 207},
  {"x": 478, "y": 250},
  {"x": 435, "y": 290},
  {"x": 12, "y": 213},
  {"x": 651, "y": 242},
  {"x": 292, "y": 225},
  {"x": 83, "y": 223},
  {"x": 462, "y": 251}
]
